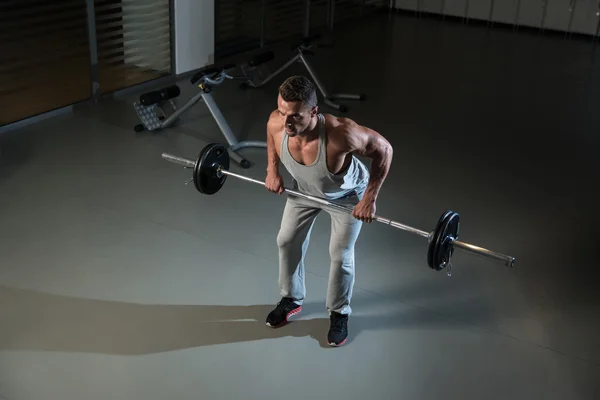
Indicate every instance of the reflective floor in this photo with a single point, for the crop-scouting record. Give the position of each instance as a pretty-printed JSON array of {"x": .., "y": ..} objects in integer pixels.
[{"x": 108, "y": 258}]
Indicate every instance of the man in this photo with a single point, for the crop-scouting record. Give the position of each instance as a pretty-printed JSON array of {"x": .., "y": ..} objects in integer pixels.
[{"x": 319, "y": 153}]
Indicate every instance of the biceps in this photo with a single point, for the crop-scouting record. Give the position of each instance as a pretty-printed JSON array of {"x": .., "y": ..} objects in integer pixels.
[{"x": 368, "y": 143}]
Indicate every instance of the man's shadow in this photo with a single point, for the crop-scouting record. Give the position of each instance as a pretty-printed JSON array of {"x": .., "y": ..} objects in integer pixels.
[{"x": 31, "y": 320}]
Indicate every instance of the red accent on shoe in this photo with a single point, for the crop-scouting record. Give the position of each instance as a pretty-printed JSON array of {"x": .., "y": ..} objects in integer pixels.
[
  {"x": 339, "y": 344},
  {"x": 287, "y": 317}
]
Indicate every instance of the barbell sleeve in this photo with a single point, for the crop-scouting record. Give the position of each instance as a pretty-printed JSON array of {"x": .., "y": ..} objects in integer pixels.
[
  {"x": 179, "y": 160},
  {"x": 480, "y": 251},
  {"x": 508, "y": 260}
]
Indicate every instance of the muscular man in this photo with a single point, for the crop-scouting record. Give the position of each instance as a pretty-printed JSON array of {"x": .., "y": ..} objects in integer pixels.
[{"x": 318, "y": 150}]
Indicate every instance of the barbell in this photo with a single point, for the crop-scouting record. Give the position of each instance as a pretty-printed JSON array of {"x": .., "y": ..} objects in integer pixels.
[{"x": 210, "y": 171}]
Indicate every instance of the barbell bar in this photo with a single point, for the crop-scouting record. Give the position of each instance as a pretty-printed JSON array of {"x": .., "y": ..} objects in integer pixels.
[{"x": 211, "y": 170}]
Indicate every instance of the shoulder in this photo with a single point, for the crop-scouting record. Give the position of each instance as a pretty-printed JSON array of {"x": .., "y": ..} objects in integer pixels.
[
  {"x": 339, "y": 127},
  {"x": 274, "y": 124},
  {"x": 344, "y": 132},
  {"x": 349, "y": 136},
  {"x": 273, "y": 118}
]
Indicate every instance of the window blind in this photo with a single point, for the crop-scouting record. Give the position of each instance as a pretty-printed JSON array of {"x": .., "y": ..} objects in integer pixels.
[
  {"x": 44, "y": 57},
  {"x": 133, "y": 40},
  {"x": 238, "y": 26}
]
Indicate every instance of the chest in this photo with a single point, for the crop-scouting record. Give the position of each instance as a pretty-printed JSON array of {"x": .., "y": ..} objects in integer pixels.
[{"x": 307, "y": 153}]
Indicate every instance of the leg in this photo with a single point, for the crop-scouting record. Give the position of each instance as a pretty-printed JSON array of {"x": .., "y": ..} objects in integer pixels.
[
  {"x": 292, "y": 241},
  {"x": 344, "y": 233}
]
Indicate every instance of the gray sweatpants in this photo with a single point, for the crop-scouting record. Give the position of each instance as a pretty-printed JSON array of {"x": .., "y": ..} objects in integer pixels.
[{"x": 298, "y": 219}]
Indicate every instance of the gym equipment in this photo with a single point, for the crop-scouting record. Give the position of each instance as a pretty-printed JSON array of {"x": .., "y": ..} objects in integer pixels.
[
  {"x": 150, "y": 108},
  {"x": 252, "y": 68},
  {"x": 210, "y": 171},
  {"x": 150, "y": 105},
  {"x": 303, "y": 48}
]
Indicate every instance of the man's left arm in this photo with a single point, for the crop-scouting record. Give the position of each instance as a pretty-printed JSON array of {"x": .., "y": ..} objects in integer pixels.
[{"x": 366, "y": 142}]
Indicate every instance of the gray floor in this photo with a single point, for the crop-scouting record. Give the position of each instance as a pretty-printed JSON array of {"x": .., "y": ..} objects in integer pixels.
[{"x": 108, "y": 258}]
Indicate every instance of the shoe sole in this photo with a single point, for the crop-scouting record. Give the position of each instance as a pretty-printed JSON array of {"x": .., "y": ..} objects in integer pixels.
[
  {"x": 287, "y": 318},
  {"x": 332, "y": 344}
]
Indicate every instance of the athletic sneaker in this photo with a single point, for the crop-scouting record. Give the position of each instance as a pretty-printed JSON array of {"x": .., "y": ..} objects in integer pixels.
[
  {"x": 338, "y": 329},
  {"x": 285, "y": 309}
]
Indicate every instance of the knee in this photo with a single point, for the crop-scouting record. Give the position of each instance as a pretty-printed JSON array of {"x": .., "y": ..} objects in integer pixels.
[
  {"x": 341, "y": 255},
  {"x": 285, "y": 239}
]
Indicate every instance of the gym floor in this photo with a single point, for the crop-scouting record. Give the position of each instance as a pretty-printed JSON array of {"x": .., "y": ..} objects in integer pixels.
[{"x": 108, "y": 258}]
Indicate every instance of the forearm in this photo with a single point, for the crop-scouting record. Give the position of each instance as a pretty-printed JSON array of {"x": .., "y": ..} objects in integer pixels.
[
  {"x": 380, "y": 165},
  {"x": 272, "y": 158}
]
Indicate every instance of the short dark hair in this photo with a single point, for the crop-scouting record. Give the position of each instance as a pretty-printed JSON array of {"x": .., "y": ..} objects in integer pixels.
[{"x": 299, "y": 88}]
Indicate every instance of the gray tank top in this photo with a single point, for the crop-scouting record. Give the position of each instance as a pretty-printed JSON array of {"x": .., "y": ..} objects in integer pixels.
[{"x": 316, "y": 179}]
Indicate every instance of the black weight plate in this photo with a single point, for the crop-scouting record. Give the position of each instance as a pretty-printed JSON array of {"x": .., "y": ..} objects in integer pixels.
[
  {"x": 444, "y": 249},
  {"x": 434, "y": 240},
  {"x": 206, "y": 179}
]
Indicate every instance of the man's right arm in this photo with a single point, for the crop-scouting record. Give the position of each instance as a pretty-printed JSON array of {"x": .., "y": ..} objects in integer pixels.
[
  {"x": 273, "y": 181},
  {"x": 272, "y": 157}
]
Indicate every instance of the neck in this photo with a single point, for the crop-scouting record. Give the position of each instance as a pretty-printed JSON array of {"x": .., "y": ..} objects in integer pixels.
[{"x": 311, "y": 132}]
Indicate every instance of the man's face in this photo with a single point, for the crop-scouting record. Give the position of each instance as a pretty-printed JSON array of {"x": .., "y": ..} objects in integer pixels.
[{"x": 296, "y": 116}]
